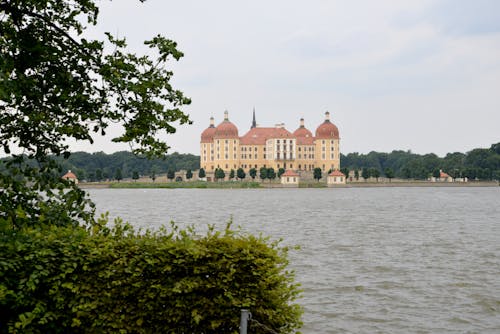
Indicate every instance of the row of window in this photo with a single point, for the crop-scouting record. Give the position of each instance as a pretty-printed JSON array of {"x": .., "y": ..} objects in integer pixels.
[{"x": 309, "y": 167}]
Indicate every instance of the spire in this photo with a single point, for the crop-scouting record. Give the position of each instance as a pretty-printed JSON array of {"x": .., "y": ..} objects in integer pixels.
[
  {"x": 226, "y": 115},
  {"x": 212, "y": 124},
  {"x": 301, "y": 122},
  {"x": 254, "y": 123},
  {"x": 327, "y": 116}
]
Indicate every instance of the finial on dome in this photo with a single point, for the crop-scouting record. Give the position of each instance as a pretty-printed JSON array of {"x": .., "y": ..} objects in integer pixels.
[
  {"x": 327, "y": 116},
  {"x": 212, "y": 123},
  {"x": 301, "y": 122},
  {"x": 226, "y": 115}
]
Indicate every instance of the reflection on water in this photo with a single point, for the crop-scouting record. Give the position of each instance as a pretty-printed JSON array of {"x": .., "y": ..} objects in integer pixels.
[{"x": 383, "y": 260}]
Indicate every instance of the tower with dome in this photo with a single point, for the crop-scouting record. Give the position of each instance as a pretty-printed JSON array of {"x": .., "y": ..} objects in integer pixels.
[{"x": 222, "y": 147}]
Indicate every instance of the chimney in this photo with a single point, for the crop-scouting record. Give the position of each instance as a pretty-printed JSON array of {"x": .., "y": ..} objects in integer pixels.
[
  {"x": 226, "y": 116},
  {"x": 327, "y": 116},
  {"x": 301, "y": 122},
  {"x": 212, "y": 124}
]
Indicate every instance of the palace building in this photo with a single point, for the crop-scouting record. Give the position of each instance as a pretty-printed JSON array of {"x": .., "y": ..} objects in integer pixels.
[{"x": 222, "y": 147}]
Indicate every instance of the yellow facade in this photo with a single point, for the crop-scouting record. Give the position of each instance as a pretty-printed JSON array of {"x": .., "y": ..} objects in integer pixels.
[{"x": 222, "y": 147}]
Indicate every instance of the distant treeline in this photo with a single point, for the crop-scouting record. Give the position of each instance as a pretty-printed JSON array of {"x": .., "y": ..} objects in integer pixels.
[
  {"x": 480, "y": 163},
  {"x": 101, "y": 166}
]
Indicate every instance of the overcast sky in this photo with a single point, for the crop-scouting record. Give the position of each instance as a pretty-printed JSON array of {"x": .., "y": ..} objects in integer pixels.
[{"x": 413, "y": 75}]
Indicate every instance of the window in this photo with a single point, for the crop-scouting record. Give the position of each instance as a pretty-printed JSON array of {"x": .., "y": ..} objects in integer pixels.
[
  {"x": 323, "y": 142},
  {"x": 227, "y": 166},
  {"x": 323, "y": 156},
  {"x": 264, "y": 148},
  {"x": 300, "y": 166},
  {"x": 331, "y": 148},
  {"x": 323, "y": 149},
  {"x": 255, "y": 156},
  {"x": 278, "y": 141},
  {"x": 278, "y": 155},
  {"x": 235, "y": 156},
  {"x": 264, "y": 155},
  {"x": 227, "y": 142},
  {"x": 218, "y": 156},
  {"x": 299, "y": 148},
  {"x": 226, "y": 156}
]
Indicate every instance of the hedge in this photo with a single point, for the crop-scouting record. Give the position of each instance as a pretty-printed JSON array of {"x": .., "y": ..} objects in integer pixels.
[{"x": 72, "y": 280}]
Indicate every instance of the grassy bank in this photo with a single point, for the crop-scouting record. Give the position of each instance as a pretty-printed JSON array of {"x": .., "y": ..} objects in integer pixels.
[{"x": 187, "y": 185}]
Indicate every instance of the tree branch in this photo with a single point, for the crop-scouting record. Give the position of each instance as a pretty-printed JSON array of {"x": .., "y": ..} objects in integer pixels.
[{"x": 6, "y": 7}]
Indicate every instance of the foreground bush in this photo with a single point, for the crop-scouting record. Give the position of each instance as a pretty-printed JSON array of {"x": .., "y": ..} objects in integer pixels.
[{"x": 69, "y": 280}]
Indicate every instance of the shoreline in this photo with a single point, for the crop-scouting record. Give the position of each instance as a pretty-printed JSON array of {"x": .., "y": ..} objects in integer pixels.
[{"x": 312, "y": 185}]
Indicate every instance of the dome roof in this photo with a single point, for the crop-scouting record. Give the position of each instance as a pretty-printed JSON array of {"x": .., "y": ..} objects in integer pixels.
[
  {"x": 302, "y": 132},
  {"x": 208, "y": 135},
  {"x": 327, "y": 130},
  {"x": 226, "y": 129}
]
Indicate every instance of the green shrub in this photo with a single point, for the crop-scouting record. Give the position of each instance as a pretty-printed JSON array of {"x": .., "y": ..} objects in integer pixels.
[{"x": 70, "y": 280}]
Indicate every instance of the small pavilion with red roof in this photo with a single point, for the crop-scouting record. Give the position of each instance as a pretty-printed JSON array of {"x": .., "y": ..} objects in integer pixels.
[
  {"x": 335, "y": 178},
  {"x": 290, "y": 178},
  {"x": 70, "y": 176}
]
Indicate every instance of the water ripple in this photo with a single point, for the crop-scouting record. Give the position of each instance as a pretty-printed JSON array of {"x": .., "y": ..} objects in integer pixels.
[{"x": 384, "y": 260}]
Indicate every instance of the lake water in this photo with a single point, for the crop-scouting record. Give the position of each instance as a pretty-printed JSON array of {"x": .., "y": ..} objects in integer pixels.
[{"x": 372, "y": 260}]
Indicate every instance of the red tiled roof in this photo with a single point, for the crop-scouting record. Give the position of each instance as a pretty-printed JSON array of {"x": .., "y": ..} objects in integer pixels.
[
  {"x": 69, "y": 175},
  {"x": 443, "y": 175},
  {"x": 305, "y": 140},
  {"x": 327, "y": 130},
  {"x": 336, "y": 173},
  {"x": 208, "y": 135},
  {"x": 289, "y": 172},
  {"x": 302, "y": 132},
  {"x": 258, "y": 136},
  {"x": 226, "y": 129},
  {"x": 304, "y": 136}
]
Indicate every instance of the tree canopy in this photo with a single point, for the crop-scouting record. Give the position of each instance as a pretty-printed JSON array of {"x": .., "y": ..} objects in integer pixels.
[{"x": 56, "y": 85}]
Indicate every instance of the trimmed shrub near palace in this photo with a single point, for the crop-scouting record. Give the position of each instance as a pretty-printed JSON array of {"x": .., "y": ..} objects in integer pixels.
[{"x": 69, "y": 280}]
